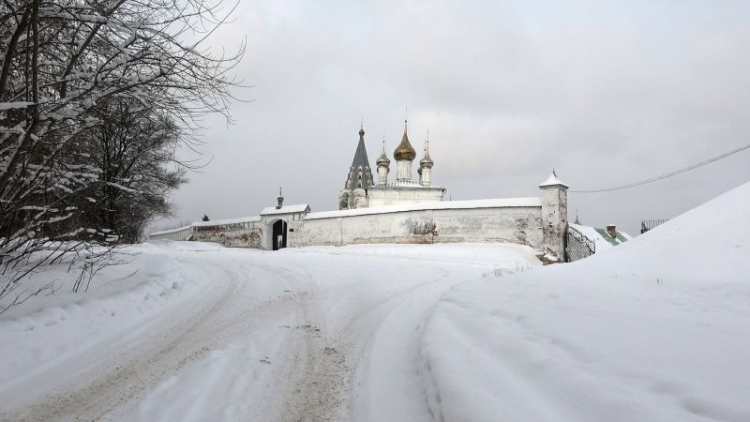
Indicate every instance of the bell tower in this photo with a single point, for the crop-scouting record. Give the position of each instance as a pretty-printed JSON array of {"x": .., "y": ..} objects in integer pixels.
[{"x": 359, "y": 178}]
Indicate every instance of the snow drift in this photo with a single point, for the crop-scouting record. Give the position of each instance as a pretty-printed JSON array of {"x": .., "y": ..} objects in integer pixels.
[
  {"x": 52, "y": 338},
  {"x": 655, "y": 329}
]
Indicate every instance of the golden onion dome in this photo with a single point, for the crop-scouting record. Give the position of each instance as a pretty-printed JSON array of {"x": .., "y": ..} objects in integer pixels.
[{"x": 404, "y": 150}]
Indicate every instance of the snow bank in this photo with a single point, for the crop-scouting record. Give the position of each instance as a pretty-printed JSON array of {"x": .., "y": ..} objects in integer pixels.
[
  {"x": 503, "y": 257},
  {"x": 656, "y": 329},
  {"x": 181, "y": 246},
  {"x": 48, "y": 338}
]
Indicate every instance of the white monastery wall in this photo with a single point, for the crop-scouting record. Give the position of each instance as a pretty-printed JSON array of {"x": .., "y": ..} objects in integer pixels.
[
  {"x": 520, "y": 223},
  {"x": 232, "y": 233},
  {"x": 244, "y": 235},
  {"x": 539, "y": 222},
  {"x": 480, "y": 225}
]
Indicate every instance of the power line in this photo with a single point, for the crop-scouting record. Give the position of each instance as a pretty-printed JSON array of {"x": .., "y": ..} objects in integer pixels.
[{"x": 666, "y": 175}]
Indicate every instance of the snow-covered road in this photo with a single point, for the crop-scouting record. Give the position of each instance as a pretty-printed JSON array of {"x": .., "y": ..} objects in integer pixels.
[{"x": 297, "y": 335}]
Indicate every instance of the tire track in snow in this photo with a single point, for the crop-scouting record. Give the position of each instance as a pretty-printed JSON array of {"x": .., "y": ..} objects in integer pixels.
[
  {"x": 141, "y": 368},
  {"x": 314, "y": 370},
  {"x": 321, "y": 372}
]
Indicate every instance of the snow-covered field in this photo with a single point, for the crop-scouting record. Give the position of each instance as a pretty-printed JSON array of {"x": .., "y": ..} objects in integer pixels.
[{"x": 655, "y": 329}]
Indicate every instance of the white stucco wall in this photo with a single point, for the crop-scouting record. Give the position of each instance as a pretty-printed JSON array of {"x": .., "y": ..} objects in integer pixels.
[
  {"x": 506, "y": 224},
  {"x": 247, "y": 233},
  {"x": 516, "y": 220}
]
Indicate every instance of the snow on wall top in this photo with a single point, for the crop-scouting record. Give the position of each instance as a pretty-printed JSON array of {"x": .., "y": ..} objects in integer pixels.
[
  {"x": 208, "y": 223},
  {"x": 170, "y": 231},
  {"x": 286, "y": 209},
  {"x": 451, "y": 205},
  {"x": 552, "y": 180},
  {"x": 228, "y": 221}
]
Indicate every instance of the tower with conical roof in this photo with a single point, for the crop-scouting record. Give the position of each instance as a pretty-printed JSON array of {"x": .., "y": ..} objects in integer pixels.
[{"x": 359, "y": 179}]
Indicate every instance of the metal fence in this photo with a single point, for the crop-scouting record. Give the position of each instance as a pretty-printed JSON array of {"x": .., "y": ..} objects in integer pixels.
[
  {"x": 647, "y": 225},
  {"x": 578, "y": 246}
]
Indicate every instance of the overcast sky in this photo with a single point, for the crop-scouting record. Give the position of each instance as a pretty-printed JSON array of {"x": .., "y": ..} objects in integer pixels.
[{"x": 606, "y": 92}]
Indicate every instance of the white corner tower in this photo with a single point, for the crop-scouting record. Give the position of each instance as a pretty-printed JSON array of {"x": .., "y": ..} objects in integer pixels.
[{"x": 554, "y": 196}]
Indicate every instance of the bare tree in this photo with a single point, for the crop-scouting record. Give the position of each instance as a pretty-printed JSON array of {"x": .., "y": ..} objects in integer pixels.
[
  {"x": 62, "y": 63},
  {"x": 134, "y": 152}
]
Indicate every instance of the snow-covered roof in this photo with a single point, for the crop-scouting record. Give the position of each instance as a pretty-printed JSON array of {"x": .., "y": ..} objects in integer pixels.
[
  {"x": 437, "y": 205},
  {"x": 286, "y": 209},
  {"x": 552, "y": 180},
  {"x": 228, "y": 221},
  {"x": 600, "y": 237}
]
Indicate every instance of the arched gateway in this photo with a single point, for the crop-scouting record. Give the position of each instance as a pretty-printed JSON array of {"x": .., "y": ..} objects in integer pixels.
[
  {"x": 282, "y": 224},
  {"x": 278, "y": 235}
]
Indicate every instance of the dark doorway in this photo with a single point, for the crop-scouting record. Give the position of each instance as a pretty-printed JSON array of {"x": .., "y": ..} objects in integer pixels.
[{"x": 279, "y": 235}]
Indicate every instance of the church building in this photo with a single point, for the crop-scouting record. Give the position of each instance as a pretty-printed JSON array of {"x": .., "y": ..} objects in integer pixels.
[{"x": 361, "y": 191}]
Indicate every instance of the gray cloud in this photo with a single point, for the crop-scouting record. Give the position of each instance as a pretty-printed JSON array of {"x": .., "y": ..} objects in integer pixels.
[{"x": 606, "y": 92}]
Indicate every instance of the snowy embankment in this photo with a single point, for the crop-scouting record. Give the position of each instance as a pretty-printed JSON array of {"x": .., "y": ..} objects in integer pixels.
[
  {"x": 657, "y": 329},
  {"x": 49, "y": 339}
]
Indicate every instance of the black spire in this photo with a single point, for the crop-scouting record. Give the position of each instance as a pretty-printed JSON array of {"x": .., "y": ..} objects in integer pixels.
[{"x": 360, "y": 175}]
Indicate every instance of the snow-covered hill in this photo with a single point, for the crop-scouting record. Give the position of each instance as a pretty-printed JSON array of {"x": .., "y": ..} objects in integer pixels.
[{"x": 657, "y": 329}]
